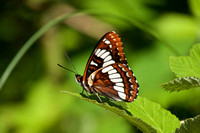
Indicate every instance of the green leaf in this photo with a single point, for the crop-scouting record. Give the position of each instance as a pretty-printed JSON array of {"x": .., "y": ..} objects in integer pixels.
[
  {"x": 148, "y": 116},
  {"x": 153, "y": 114},
  {"x": 191, "y": 125},
  {"x": 187, "y": 66},
  {"x": 183, "y": 83}
]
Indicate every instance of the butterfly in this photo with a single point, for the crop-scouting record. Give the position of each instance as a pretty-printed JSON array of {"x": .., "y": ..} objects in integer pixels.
[{"x": 107, "y": 72}]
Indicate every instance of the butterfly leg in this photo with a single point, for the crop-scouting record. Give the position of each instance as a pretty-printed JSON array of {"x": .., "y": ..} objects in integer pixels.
[
  {"x": 82, "y": 91},
  {"x": 86, "y": 93},
  {"x": 98, "y": 97}
]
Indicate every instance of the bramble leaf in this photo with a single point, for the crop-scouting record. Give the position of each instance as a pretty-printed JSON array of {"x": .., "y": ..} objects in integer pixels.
[
  {"x": 183, "y": 83},
  {"x": 148, "y": 116},
  {"x": 191, "y": 125},
  {"x": 187, "y": 66},
  {"x": 153, "y": 114}
]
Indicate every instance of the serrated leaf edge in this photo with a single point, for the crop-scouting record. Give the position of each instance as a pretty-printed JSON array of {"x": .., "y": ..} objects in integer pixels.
[{"x": 180, "y": 80}]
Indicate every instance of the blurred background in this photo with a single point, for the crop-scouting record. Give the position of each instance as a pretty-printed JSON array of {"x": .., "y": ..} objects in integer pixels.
[{"x": 31, "y": 101}]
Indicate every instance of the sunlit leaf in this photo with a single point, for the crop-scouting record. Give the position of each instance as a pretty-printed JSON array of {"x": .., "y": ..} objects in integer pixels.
[
  {"x": 144, "y": 114},
  {"x": 181, "y": 84},
  {"x": 153, "y": 114},
  {"x": 187, "y": 66}
]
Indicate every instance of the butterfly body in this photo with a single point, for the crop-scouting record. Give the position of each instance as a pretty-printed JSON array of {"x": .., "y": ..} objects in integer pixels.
[{"x": 107, "y": 72}]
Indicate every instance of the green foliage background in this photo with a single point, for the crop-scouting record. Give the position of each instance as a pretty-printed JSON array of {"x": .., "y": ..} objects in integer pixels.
[{"x": 31, "y": 101}]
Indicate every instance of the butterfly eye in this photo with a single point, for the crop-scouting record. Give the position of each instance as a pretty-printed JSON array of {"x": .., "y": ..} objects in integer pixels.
[{"x": 78, "y": 78}]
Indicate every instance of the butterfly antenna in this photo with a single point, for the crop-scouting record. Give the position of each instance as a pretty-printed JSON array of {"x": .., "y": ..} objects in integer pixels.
[
  {"x": 66, "y": 68},
  {"x": 70, "y": 61}
]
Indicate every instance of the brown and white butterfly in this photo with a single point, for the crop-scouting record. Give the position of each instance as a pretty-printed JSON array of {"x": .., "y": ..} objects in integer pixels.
[{"x": 107, "y": 72}]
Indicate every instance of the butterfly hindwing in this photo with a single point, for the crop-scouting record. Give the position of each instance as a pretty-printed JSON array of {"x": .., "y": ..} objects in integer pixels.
[{"x": 115, "y": 81}]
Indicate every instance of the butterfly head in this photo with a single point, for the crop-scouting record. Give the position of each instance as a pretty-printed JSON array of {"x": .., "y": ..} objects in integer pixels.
[{"x": 79, "y": 79}]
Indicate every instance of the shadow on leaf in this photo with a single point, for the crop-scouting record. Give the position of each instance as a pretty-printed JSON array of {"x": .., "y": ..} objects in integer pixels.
[{"x": 120, "y": 105}]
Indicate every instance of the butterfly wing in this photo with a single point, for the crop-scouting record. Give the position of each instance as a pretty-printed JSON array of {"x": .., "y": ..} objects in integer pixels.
[
  {"x": 107, "y": 71},
  {"x": 108, "y": 51},
  {"x": 115, "y": 81}
]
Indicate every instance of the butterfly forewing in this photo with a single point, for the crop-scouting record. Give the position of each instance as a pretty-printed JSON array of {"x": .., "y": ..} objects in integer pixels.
[{"x": 109, "y": 50}]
